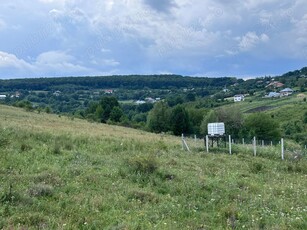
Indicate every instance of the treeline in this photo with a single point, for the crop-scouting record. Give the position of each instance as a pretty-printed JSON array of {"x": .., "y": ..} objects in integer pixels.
[
  {"x": 179, "y": 119},
  {"x": 188, "y": 120},
  {"x": 127, "y": 82}
]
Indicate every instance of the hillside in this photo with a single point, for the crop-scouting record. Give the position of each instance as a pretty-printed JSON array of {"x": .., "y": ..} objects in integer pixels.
[{"x": 63, "y": 173}]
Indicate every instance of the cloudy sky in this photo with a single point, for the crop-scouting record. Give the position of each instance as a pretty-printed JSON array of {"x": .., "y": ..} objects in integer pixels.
[{"x": 243, "y": 38}]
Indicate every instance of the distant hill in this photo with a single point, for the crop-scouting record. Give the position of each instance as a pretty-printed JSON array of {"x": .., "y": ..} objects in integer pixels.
[{"x": 127, "y": 82}]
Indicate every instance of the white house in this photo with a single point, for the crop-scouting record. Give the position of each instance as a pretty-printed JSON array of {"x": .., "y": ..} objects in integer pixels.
[
  {"x": 286, "y": 92},
  {"x": 2, "y": 97},
  {"x": 273, "y": 94},
  {"x": 238, "y": 97}
]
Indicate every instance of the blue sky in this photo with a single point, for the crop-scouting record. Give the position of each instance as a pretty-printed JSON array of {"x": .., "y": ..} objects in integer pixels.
[{"x": 213, "y": 38}]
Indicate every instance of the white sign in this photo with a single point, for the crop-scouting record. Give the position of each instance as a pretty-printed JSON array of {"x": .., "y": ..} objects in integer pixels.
[{"x": 215, "y": 129}]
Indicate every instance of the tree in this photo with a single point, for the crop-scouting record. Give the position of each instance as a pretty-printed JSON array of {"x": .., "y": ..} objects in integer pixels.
[
  {"x": 158, "y": 118},
  {"x": 210, "y": 117},
  {"x": 116, "y": 114},
  {"x": 233, "y": 119},
  {"x": 179, "y": 120},
  {"x": 263, "y": 126},
  {"x": 107, "y": 104}
]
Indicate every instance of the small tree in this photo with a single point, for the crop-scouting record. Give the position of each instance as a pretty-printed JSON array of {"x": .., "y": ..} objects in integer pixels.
[
  {"x": 210, "y": 117},
  {"x": 116, "y": 114},
  {"x": 263, "y": 126},
  {"x": 179, "y": 120},
  {"x": 158, "y": 118}
]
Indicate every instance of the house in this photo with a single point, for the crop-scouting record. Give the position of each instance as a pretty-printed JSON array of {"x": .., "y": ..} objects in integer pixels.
[
  {"x": 238, "y": 97},
  {"x": 2, "y": 97},
  {"x": 286, "y": 92},
  {"x": 108, "y": 91},
  {"x": 140, "y": 102},
  {"x": 150, "y": 100},
  {"x": 275, "y": 84},
  {"x": 272, "y": 95},
  {"x": 17, "y": 95},
  {"x": 57, "y": 93}
]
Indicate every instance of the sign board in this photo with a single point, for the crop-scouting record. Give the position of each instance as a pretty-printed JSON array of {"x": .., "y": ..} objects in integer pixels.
[{"x": 216, "y": 129}]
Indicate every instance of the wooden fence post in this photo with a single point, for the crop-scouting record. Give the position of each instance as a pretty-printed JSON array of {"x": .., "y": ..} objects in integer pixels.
[
  {"x": 282, "y": 149},
  {"x": 255, "y": 144},
  {"x": 229, "y": 144},
  {"x": 207, "y": 143}
]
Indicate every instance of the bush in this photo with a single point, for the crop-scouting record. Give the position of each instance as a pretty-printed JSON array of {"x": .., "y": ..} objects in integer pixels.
[
  {"x": 39, "y": 190},
  {"x": 143, "y": 164}
]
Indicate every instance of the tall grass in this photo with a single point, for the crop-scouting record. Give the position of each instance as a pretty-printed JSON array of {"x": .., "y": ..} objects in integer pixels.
[{"x": 56, "y": 173}]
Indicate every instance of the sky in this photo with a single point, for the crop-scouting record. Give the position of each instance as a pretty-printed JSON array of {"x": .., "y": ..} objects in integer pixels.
[{"x": 205, "y": 38}]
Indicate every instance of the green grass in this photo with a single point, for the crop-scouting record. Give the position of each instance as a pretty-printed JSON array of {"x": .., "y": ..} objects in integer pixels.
[{"x": 58, "y": 173}]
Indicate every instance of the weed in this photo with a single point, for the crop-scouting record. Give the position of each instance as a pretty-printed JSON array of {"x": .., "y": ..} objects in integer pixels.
[
  {"x": 143, "y": 164},
  {"x": 39, "y": 190},
  {"x": 25, "y": 147},
  {"x": 143, "y": 197},
  {"x": 256, "y": 167}
]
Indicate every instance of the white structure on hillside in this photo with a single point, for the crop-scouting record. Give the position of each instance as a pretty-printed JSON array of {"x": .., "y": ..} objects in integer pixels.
[
  {"x": 2, "y": 97},
  {"x": 238, "y": 97},
  {"x": 286, "y": 92}
]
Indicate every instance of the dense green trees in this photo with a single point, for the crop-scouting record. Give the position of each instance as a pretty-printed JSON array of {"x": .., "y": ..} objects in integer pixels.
[
  {"x": 158, "y": 118},
  {"x": 231, "y": 116},
  {"x": 179, "y": 120},
  {"x": 263, "y": 126},
  {"x": 107, "y": 109}
]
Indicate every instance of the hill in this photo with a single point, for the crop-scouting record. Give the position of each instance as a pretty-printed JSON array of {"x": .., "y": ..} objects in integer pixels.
[{"x": 63, "y": 173}]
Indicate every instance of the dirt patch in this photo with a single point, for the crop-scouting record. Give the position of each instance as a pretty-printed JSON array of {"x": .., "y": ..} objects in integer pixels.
[{"x": 260, "y": 109}]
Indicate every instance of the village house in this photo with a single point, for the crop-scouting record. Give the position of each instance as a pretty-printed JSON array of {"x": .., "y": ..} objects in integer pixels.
[
  {"x": 108, "y": 91},
  {"x": 238, "y": 98},
  {"x": 275, "y": 84},
  {"x": 2, "y": 97},
  {"x": 286, "y": 92},
  {"x": 272, "y": 95}
]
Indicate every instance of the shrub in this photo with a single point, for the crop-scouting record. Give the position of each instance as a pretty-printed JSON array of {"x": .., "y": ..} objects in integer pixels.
[
  {"x": 143, "y": 164},
  {"x": 143, "y": 197},
  {"x": 39, "y": 190}
]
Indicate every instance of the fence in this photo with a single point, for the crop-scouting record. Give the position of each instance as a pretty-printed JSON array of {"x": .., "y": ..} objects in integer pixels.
[{"x": 254, "y": 146}]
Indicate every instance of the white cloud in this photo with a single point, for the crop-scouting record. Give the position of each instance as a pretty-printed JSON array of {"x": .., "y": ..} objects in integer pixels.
[
  {"x": 11, "y": 61},
  {"x": 251, "y": 40}
]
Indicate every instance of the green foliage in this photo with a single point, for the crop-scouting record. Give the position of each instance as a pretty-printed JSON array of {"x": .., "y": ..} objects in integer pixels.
[
  {"x": 210, "y": 117},
  {"x": 179, "y": 120},
  {"x": 142, "y": 164},
  {"x": 263, "y": 126},
  {"x": 233, "y": 119},
  {"x": 116, "y": 114},
  {"x": 158, "y": 118}
]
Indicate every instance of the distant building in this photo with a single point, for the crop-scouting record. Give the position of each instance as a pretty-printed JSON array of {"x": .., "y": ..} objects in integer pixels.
[
  {"x": 57, "y": 93},
  {"x": 275, "y": 84},
  {"x": 150, "y": 100},
  {"x": 238, "y": 98},
  {"x": 286, "y": 92},
  {"x": 272, "y": 95},
  {"x": 140, "y": 102},
  {"x": 108, "y": 91},
  {"x": 2, "y": 97}
]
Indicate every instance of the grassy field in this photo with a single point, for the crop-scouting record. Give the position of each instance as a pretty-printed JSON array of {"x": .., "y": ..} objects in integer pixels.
[{"x": 63, "y": 173}]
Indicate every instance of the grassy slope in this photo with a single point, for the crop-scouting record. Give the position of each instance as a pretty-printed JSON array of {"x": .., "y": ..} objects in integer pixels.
[{"x": 57, "y": 173}]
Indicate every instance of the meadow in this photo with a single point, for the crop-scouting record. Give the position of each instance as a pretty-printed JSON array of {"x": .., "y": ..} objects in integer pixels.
[{"x": 58, "y": 172}]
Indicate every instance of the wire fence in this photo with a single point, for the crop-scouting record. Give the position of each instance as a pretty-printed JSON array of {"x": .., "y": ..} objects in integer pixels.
[{"x": 282, "y": 149}]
